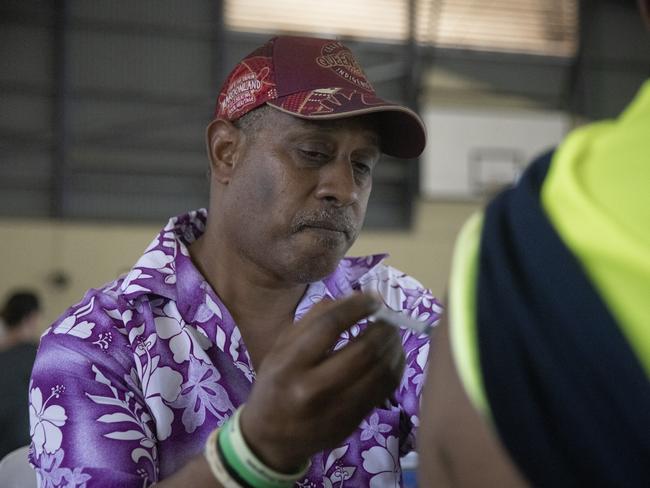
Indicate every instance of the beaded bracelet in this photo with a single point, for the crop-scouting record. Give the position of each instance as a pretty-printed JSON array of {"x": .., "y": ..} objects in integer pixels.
[{"x": 245, "y": 464}]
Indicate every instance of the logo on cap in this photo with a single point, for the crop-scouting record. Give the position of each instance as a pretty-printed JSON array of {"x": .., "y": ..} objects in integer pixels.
[
  {"x": 249, "y": 86},
  {"x": 241, "y": 93},
  {"x": 341, "y": 61}
]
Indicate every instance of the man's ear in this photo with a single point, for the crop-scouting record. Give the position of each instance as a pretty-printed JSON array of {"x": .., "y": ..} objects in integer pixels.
[{"x": 223, "y": 143}]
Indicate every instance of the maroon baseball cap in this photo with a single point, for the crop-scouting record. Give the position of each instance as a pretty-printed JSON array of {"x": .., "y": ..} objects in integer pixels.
[{"x": 317, "y": 79}]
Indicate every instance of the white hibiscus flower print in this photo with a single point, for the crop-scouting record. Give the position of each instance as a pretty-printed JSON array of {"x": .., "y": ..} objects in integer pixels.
[
  {"x": 421, "y": 303},
  {"x": 374, "y": 429},
  {"x": 52, "y": 475},
  {"x": 160, "y": 384},
  {"x": 335, "y": 474},
  {"x": 162, "y": 387},
  {"x": 184, "y": 339},
  {"x": 128, "y": 285},
  {"x": 383, "y": 463},
  {"x": 202, "y": 392},
  {"x": 45, "y": 420}
]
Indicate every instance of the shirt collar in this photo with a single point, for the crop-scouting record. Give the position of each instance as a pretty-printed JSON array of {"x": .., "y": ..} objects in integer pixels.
[{"x": 166, "y": 269}]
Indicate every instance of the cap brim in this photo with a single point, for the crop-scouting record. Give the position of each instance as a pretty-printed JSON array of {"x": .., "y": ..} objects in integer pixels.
[{"x": 402, "y": 132}]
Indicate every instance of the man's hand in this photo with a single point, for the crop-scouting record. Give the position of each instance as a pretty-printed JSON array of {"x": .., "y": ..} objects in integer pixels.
[{"x": 308, "y": 398}]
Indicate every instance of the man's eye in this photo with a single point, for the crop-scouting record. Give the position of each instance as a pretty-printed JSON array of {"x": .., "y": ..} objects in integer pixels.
[
  {"x": 362, "y": 168},
  {"x": 313, "y": 155}
]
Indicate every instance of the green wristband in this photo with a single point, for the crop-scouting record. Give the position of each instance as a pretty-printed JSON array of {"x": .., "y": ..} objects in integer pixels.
[
  {"x": 243, "y": 461},
  {"x": 234, "y": 462}
]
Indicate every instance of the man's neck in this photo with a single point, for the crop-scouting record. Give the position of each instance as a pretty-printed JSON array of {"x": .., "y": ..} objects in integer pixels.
[
  {"x": 250, "y": 293},
  {"x": 261, "y": 305}
]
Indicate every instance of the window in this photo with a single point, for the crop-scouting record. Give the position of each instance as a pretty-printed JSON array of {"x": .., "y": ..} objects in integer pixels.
[{"x": 543, "y": 27}]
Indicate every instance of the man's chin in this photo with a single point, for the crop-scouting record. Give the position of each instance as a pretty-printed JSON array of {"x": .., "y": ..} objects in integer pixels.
[
  {"x": 316, "y": 267},
  {"x": 313, "y": 255},
  {"x": 324, "y": 239}
]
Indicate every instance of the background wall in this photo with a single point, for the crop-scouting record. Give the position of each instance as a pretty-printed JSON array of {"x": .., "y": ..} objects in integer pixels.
[{"x": 34, "y": 252}]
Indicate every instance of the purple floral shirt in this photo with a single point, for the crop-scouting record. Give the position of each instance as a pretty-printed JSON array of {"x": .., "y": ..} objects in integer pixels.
[{"x": 130, "y": 381}]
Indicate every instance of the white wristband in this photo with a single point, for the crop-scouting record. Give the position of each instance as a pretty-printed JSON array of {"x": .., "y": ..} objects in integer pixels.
[{"x": 217, "y": 467}]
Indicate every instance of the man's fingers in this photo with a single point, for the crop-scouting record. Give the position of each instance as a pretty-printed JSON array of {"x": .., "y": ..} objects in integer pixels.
[
  {"x": 322, "y": 326},
  {"x": 378, "y": 343},
  {"x": 355, "y": 400},
  {"x": 377, "y": 349}
]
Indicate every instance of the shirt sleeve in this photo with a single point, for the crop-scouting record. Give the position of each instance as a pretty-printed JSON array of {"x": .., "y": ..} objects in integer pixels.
[{"x": 89, "y": 423}]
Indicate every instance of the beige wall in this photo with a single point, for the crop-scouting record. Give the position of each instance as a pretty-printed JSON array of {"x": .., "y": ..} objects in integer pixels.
[{"x": 92, "y": 254}]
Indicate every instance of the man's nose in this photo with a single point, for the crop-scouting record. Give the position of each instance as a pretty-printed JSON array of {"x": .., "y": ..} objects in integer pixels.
[{"x": 337, "y": 184}]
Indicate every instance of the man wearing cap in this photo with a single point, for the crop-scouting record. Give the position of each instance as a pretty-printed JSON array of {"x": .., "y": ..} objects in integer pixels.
[{"x": 238, "y": 351}]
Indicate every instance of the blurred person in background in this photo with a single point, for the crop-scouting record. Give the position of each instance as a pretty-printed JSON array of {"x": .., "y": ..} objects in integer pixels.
[
  {"x": 243, "y": 331},
  {"x": 20, "y": 316},
  {"x": 542, "y": 375}
]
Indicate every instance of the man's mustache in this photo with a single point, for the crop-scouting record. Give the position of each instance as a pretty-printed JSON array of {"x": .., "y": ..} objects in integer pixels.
[{"x": 331, "y": 219}]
